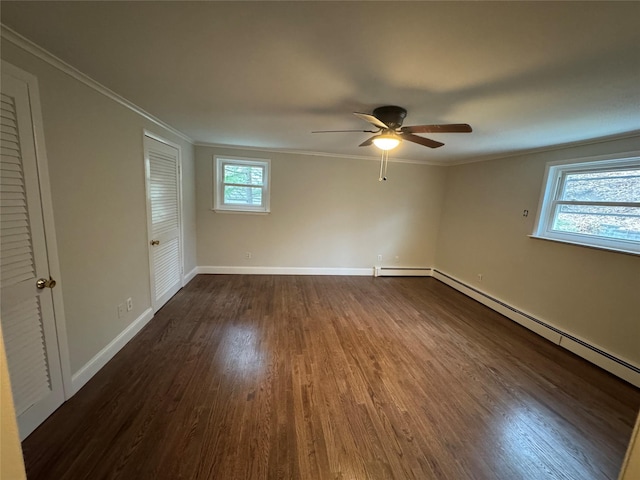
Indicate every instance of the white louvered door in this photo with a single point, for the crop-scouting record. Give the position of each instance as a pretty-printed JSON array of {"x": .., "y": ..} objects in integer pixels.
[
  {"x": 27, "y": 313},
  {"x": 163, "y": 217}
]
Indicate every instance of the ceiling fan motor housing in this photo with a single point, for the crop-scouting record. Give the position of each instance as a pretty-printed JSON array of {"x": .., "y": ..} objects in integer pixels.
[{"x": 390, "y": 115}]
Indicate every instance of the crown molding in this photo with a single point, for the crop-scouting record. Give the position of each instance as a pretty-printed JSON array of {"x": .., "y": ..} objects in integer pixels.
[
  {"x": 39, "y": 52},
  {"x": 550, "y": 148},
  {"x": 450, "y": 163},
  {"x": 392, "y": 159}
]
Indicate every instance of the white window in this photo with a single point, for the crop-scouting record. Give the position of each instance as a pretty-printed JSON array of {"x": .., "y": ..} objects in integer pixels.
[
  {"x": 241, "y": 184},
  {"x": 594, "y": 203}
]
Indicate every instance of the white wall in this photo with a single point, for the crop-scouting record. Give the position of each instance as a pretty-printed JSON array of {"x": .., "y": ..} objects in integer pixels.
[
  {"x": 95, "y": 152},
  {"x": 592, "y": 294},
  {"x": 326, "y": 212}
]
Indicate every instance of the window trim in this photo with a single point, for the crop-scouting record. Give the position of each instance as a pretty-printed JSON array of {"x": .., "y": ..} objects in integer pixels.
[
  {"x": 218, "y": 185},
  {"x": 552, "y": 187}
]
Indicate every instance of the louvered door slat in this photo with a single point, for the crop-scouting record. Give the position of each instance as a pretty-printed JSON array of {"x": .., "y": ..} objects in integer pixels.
[
  {"x": 9, "y": 158},
  {"x": 13, "y": 198},
  {"x": 13, "y": 224},
  {"x": 23, "y": 333},
  {"x": 167, "y": 269},
  {"x": 16, "y": 267},
  {"x": 11, "y": 172},
  {"x": 7, "y": 151},
  {"x": 10, "y": 216},
  {"x": 22, "y": 329},
  {"x": 15, "y": 259},
  {"x": 15, "y": 241},
  {"x": 9, "y": 167},
  {"x": 23, "y": 370},
  {"x": 18, "y": 249},
  {"x": 28, "y": 351},
  {"x": 17, "y": 312},
  {"x": 8, "y": 129}
]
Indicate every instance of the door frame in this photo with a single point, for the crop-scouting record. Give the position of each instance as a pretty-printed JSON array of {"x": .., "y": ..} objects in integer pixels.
[
  {"x": 158, "y": 138},
  {"x": 42, "y": 164}
]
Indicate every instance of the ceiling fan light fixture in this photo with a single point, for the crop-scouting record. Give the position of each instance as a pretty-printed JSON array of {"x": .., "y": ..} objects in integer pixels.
[{"x": 386, "y": 141}]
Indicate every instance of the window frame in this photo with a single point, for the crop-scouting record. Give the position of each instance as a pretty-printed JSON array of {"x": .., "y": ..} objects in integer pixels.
[
  {"x": 553, "y": 187},
  {"x": 219, "y": 161}
]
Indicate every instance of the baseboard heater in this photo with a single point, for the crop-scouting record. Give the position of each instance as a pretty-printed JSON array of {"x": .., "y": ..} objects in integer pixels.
[
  {"x": 402, "y": 272},
  {"x": 592, "y": 353}
]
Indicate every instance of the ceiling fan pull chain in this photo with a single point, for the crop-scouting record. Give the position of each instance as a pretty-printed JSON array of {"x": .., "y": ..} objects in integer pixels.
[
  {"x": 386, "y": 164},
  {"x": 381, "y": 165}
]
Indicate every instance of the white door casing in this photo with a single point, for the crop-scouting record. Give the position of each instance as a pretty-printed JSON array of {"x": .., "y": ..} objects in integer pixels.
[
  {"x": 32, "y": 318},
  {"x": 164, "y": 218}
]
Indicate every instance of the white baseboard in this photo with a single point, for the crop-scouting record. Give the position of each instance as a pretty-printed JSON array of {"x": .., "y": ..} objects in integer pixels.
[
  {"x": 82, "y": 376},
  {"x": 592, "y": 353},
  {"x": 189, "y": 276},
  {"x": 619, "y": 367},
  {"x": 403, "y": 272},
  {"x": 517, "y": 316},
  {"x": 362, "y": 272}
]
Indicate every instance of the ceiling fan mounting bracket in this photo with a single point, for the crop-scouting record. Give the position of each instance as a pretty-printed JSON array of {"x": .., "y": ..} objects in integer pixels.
[{"x": 390, "y": 115}]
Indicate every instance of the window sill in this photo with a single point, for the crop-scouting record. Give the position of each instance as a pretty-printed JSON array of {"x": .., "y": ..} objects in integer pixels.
[
  {"x": 596, "y": 247},
  {"x": 242, "y": 212}
]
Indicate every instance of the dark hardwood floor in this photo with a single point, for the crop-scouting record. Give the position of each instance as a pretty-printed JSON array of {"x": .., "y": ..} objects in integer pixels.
[{"x": 270, "y": 377}]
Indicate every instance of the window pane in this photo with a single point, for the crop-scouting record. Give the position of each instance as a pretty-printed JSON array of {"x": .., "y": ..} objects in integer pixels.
[
  {"x": 599, "y": 221},
  {"x": 604, "y": 186},
  {"x": 234, "y": 195},
  {"x": 243, "y": 174}
]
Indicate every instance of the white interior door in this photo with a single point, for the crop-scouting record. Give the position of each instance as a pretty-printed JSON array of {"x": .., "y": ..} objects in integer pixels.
[
  {"x": 162, "y": 167},
  {"x": 27, "y": 310}
]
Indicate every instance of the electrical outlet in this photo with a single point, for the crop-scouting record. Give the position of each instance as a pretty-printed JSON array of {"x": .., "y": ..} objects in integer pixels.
[
  {"x": 379, "y": 258},
  {"x": 129, "y": 304},
  {"x": 480, "y": 277},
  {"x": 247, "y": 255},
  {"x": 121, "y": 310}
]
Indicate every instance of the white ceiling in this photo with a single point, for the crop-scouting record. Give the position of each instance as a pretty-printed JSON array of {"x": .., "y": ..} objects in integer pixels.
[{"x": 265, "y": 74}]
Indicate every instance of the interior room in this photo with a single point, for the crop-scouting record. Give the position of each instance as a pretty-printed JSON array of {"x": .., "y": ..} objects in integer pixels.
[{"x": 227, "y": 277}]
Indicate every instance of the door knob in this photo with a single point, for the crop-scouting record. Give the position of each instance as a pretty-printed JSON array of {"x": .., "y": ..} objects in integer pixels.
[
  {"x": 155, "y": 242},
  {"x": 44, "y": 283}
]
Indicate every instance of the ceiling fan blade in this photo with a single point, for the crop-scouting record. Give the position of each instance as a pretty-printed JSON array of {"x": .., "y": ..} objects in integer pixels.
[
  {"x": 450, "y": 128},
  {"x": 368, "y": 141},
  {"x": 427, "y": 142},
  {"x": 371, "y": 119},
  {"x": 341, "y": 131}
]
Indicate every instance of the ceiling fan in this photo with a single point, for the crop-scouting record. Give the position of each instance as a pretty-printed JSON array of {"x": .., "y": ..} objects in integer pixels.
[{"x": 390, "y": 132}]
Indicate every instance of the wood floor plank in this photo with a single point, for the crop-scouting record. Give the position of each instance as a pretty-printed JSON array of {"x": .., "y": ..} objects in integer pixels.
[{"x": 301, "y": 377}]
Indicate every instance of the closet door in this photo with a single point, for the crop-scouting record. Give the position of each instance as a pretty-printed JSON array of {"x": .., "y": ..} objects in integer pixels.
[
  {"x": 27, "y": 313},
  {"x": 162, "y": 167}
]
